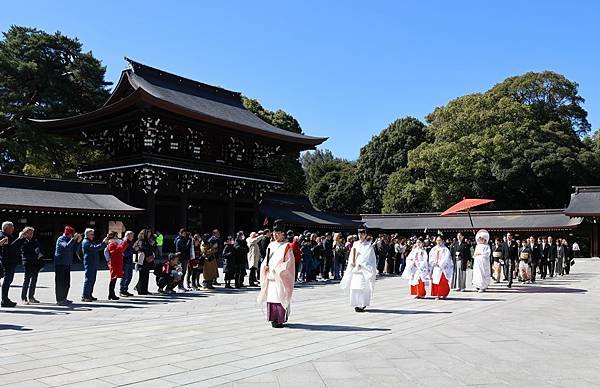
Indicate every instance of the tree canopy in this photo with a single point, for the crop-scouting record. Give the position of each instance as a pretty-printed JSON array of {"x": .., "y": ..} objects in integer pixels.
[
  {"x": 337, "y": 188},
  {"x": 294, "y": 179},
  {"x": 519, "y": 143},
  {"x": 385, "y": 154},
  {"x": 44, "y": 76}
]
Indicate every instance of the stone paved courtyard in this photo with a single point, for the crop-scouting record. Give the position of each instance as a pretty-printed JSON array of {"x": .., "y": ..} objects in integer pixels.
[{"x": 544, "y": 335}]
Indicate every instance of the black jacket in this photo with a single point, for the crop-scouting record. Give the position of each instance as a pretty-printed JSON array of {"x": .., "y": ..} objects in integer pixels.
[
  {"x": 510, "y": 250},
  {"x": 241, "y": 255},
  {"x": 461, "y": 254},
  {"x": 544, "y": 251},
  {"x": 183, "y": 246},
  {"x": 552, "y": 252},
  {"x": 30, "y": 252},
  {"x": 536, "y": 255},
  {"x": 10, "y": 254}
]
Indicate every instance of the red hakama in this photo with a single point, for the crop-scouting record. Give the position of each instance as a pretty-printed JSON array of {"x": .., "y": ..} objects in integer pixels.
[
  {"x": 443, "y": 289},
  {"x": 418, "y": 290}
]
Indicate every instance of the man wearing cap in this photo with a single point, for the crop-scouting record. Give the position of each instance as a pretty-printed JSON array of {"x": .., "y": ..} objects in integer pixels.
[
  {"x": 361, "y": 272},
  {"x": 277, "y": 272},
  {"x": 66, "y": 246}
]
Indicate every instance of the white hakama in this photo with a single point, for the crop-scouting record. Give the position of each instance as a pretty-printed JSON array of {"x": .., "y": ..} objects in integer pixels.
[{"x": 360, "y": 278}]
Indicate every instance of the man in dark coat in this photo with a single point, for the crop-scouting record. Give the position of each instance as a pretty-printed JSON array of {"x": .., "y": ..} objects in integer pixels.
[
  {"x": 10, "y": 256},
  {"x": 552, "y": 255},
  {"x": 461, "y": 255},
  {"x": 241, "y": 259},
  {"x": 535, "y": 258},
  {"x": 544, "y": 250},
  {"x": 510, "y": 251},
  {"x": 328, "y": 255}
]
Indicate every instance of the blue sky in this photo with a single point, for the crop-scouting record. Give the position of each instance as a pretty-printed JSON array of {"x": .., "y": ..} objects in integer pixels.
[{"x": 344, "y": 69}]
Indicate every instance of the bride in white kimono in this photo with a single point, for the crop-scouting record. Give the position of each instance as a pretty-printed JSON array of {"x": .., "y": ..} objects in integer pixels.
[
  {"x": 481, "y": 261},
  {"x": 360, "y": 273}
]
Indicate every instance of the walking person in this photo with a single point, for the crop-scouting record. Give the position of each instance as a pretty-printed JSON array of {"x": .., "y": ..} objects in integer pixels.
[
  {"x": 552, "y": 255},
  {"x": 534, "y": 257},
  {"x": 498, "y": 258},
  {"x": 417, "y": 270},
  {"x": 461, "y": 255},
  {"x": 339, "y": 256},
  {"x": 440, "y": 263},
  {"x": 66, "y": 246},
  {"x": 568, "y": 260},
  {"x": 127, "y": 265},
  {"x": 252, "y": 242},
  {"x": 361, "y": 272},
  {"x": 91, "y": 255},
  {"x": 481, "y": 261},
  {"x": 32, "y": 263},
  {"x": 560, "y": 257},
  {"x": 510, "y": 251},
  {"x": 544, "y": 251},
  {"x": 277, "y": 274}
]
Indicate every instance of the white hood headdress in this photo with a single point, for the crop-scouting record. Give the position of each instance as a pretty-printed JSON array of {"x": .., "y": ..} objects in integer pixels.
[{"x": 482, "y": 234}]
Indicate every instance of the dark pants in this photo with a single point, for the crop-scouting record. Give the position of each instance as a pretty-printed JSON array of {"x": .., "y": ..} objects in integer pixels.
[
  {"x": 239, "y": 279},
  {"x": 30, "y": 281},
  {"x": 391, "y": 265},
  {"x": 165, "y": 280},
  {"x": 111, "y": 288},
  {"x": 543, "y": 269},
  {"x": 567, "y": 266},
  {"x": 143, "y": 278},
  {"x": 508, "y": 271},
  {"x": 127, "y": 275},
  {"x": 62, "y": 281},
  {"x": 91, "y": 270},
  {"x": 380, "y": 264},
  {"x": 534, "y": 267},
  {"x": 252, "y": 279},
  {"x": 551, "y": 264},
  {"x": 327, "y": 267},
  {"x": 9, "y": 275}
]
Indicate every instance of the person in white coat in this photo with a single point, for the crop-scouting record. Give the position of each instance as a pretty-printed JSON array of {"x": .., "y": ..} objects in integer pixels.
[
  {"x": 361, "y": 272},
  {"x": 481, "y": 261},
  {"x": 253, "y": 256},
  {"x": 442, "y": 269},
  {"x": 417, "y": 270}
]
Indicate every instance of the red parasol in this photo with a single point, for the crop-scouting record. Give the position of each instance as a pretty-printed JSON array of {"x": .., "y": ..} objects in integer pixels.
[{"x": 466, "y": 204}]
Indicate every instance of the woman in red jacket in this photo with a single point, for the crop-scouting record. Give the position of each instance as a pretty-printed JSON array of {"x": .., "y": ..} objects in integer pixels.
[{"x": 115, "y": 249}]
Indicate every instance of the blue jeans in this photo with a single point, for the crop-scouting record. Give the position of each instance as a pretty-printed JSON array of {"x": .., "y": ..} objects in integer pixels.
[
  {"x": 91, "y": 269},
  {"x": 127, "y": 275}
]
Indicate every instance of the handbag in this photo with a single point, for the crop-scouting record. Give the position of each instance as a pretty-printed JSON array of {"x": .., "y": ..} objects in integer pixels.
[
  {"x": 572, "y": 262},
  {"x": 139, "y": 257}
]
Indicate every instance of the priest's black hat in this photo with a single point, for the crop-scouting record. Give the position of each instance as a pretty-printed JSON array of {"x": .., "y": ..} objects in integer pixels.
[{"x": 279, "y": 226}]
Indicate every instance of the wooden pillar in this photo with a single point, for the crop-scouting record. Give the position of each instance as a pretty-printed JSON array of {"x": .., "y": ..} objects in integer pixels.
[
  {"x": 150, "y": 211},
  {"x": 230, "y": 224},
  {"x": 183, "y": 205}
]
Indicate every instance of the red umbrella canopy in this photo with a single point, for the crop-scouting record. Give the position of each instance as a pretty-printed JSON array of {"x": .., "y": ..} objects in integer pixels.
[{"x": 466, "y": 204}]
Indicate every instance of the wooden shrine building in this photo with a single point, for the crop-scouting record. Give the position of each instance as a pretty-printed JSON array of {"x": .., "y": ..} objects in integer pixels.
[{"x": 188, "y": 153}]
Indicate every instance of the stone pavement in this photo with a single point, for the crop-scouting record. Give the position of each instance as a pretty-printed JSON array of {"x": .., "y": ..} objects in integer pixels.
[{"x": 544, "y": 335}]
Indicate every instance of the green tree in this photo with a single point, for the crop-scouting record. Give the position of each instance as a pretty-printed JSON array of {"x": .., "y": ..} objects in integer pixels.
[
  {"x": 385, "y": 154},
  {"x": 44, "y": 76},
  {"x": 314, "y": 164},
  {"x": 338, "y": 188},
  {"x": 294, "y": 179},
  {"x": 506, "y": 144}
]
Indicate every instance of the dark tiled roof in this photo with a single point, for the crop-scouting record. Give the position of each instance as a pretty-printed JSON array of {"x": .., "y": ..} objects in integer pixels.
[
  {"x": 492, "y": 220},
  {"x": 297, "y": 211},
  {"x": 68, "y": 195},
  {"x": 185, "y": 97},
  {"x": 585, "y": 201}
]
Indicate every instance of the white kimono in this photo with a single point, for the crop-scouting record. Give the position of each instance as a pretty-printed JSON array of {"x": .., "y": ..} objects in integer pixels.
[
  {"x": 481, "y": 262},
  {"x": 440, "y": 262},
  {"x": 417, "y": 267},
  {"x": 360, "y": 278}
]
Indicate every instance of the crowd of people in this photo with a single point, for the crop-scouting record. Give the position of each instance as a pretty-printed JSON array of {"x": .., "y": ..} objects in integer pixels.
[{"x": 194, "y": 265}]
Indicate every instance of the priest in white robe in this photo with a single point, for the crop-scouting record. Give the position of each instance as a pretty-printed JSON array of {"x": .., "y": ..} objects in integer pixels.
[
  {"x": 277, "y": 277},
  {"x": 442, "y": 269},
  {"x": 481, "y": 261},
  {"x": 361, "y": 272},
  {"x": 417, "y": 270}
]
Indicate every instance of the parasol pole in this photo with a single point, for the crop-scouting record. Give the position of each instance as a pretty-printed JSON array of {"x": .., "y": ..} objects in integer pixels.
[{"x": 471, "y": 220}]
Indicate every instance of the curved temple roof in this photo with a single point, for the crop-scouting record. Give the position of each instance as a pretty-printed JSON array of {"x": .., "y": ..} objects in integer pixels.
[{"x": 185, "y": 97}]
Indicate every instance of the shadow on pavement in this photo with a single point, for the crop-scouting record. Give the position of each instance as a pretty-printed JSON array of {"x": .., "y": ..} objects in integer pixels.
[
  {"x": 407, "y": 312},
  {"x": 14, "y": 327},
  {"x": 304, "y": 326},
  {"x": 476, "y": 299},
  {"x": 34, "y": 312}
]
